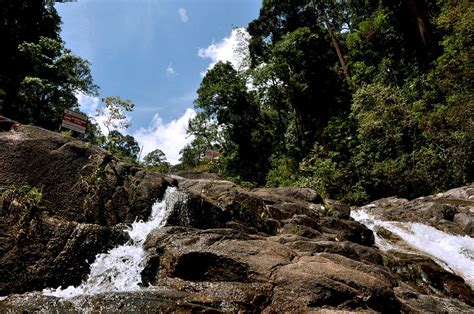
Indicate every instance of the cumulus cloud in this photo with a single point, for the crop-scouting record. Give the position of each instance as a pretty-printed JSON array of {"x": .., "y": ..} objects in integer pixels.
[
  {"x": 169, "y": 137},
  {"x": 183, "y": 15},
  {"x": 87, "y": 104},
  {"x": 233, "y": 49},
  {"x": 170, "y": 71}
]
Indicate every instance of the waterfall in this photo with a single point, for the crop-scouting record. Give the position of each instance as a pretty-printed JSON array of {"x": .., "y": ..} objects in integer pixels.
[
  {"x": 453, "y": 253},
  {"x": 119, "y": 269}
]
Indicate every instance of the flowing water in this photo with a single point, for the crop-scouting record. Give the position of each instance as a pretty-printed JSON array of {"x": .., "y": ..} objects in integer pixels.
[
  {"x": 119, "y": 269},
  {"x": 454, "y": 253}
]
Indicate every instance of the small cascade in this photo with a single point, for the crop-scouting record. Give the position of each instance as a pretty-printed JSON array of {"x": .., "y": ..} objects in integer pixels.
[
  {"x": 119, "y": 269},
  {"x": 453, "y": 253}
]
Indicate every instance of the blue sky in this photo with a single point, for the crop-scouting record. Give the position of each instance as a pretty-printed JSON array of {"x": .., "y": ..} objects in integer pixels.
[{"x": 154, "y": 53}]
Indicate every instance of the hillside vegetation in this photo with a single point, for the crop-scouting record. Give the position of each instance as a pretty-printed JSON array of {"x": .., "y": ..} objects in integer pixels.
[{"x": 356, "y": 99}]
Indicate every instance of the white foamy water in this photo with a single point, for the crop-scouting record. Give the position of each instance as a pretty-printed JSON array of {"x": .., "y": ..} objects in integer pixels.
[
  {"x": 454, "y": 253},
  {"x": 119, "y": 269}
]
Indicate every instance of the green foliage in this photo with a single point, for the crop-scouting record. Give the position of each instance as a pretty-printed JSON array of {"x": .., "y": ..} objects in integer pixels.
[
  {"x": 224, "y": 98},
  {"x": 22, "y": 22},
  {"x": 50, "y": 86},
  {"x": 321, "y": 172},
  {"x": 25, "y": 201},
  {"x": 356, "y": 99},
  {"x": 156, "y": 160},
  {"x": 284, "y": 171},
  {"x": 122, "y": 146},
  {"x": 113, "y": 115}
]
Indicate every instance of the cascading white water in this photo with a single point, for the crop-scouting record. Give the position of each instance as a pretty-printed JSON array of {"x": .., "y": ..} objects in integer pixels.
[
  {"x": 119, "y": 269},
  {"x": 454, "y": 253}
]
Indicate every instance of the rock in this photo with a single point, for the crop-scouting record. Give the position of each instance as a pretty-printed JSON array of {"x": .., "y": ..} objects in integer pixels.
[
  {"x": 198, "y": 212},
  {"x": 316, "y": 281},
  {"x": 415, "y": 302},
  {"x": 288, "y": 193},
  {"x": 465, "y": 221},
  {"x": 84, "y": 194},
  {"x": 348, "y": 249},
  {"x": 439, "y": 211},
  {"x": 80, "y": 182},
  {"x": 219, "y": 205},
  {"x": 161, "y": 300},
  {"x": 216, "y": 253},
  {"x": 424, "y": 276},
  {"x": 337, "y": 209},
  {"x": 299, "y": 283},
  {"x": 52, "y": 252}
]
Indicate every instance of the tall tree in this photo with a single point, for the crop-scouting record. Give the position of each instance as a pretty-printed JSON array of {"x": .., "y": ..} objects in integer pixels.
[
  {"x": 22, "y": 21},
  {"x": 39, "y": 78},
  {"x": 51, "y": 85},
  {"x": 223, "y": 97}
]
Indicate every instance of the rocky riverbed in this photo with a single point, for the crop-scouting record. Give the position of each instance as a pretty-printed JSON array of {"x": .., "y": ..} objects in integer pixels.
[{"x": 220, "y": 247}]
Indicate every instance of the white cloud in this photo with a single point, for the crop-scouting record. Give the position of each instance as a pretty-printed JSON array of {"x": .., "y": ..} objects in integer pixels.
[
  {"x": 183, "y": 15},
  {"x": 169, "y": 137},
  {"x": 233, "y": 49},
  {"x": 87, "y": 104},
  {"x": 170, "y": 71}
]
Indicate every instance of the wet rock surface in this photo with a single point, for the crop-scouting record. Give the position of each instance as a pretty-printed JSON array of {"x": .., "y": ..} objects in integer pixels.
[
  {"x": 451, "y": 211},
  {"x": 223, "y": 248},
  {"x": 52, "y": 253},
  {"x": 312, "y": 258}
]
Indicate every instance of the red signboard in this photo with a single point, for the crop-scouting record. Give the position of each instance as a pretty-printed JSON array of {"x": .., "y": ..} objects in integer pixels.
[{"x": 74, "y": 121}]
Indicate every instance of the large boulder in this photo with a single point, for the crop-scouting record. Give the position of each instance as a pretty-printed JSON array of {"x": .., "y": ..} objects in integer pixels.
[
  {"x": 60, "y": 202},
  {"x": 49, "y": 251},
  {"x": 218, "y": 246},
  {"x": 80, "y": 182},
  {"x": 299, "y": 281}
]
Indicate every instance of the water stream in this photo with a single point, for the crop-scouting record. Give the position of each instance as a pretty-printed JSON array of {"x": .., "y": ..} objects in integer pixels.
[
  {"x": 119, "y": 269},
  {"x": 454, "y": 253}
]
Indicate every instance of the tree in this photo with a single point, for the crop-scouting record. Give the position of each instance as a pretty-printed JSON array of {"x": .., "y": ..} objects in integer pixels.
[
  {"x": 125, "y": 147},
  {"x": 22, "y": 21},
  {"x": 112, "y": 115},
  {"x": 189, "y": 157},
  {"x": 113, "y": 112},
  {"x": 157, "y": 159},
  {"x": 39, "y": 77},
  {"x": 51, "y": 85},
  {"x": 224, "y": 98}
]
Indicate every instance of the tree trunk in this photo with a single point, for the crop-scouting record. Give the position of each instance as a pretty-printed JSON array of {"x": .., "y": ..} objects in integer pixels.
[
  {"x": 338, "y": 49},
  {"x": 420, "y": 20}
]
